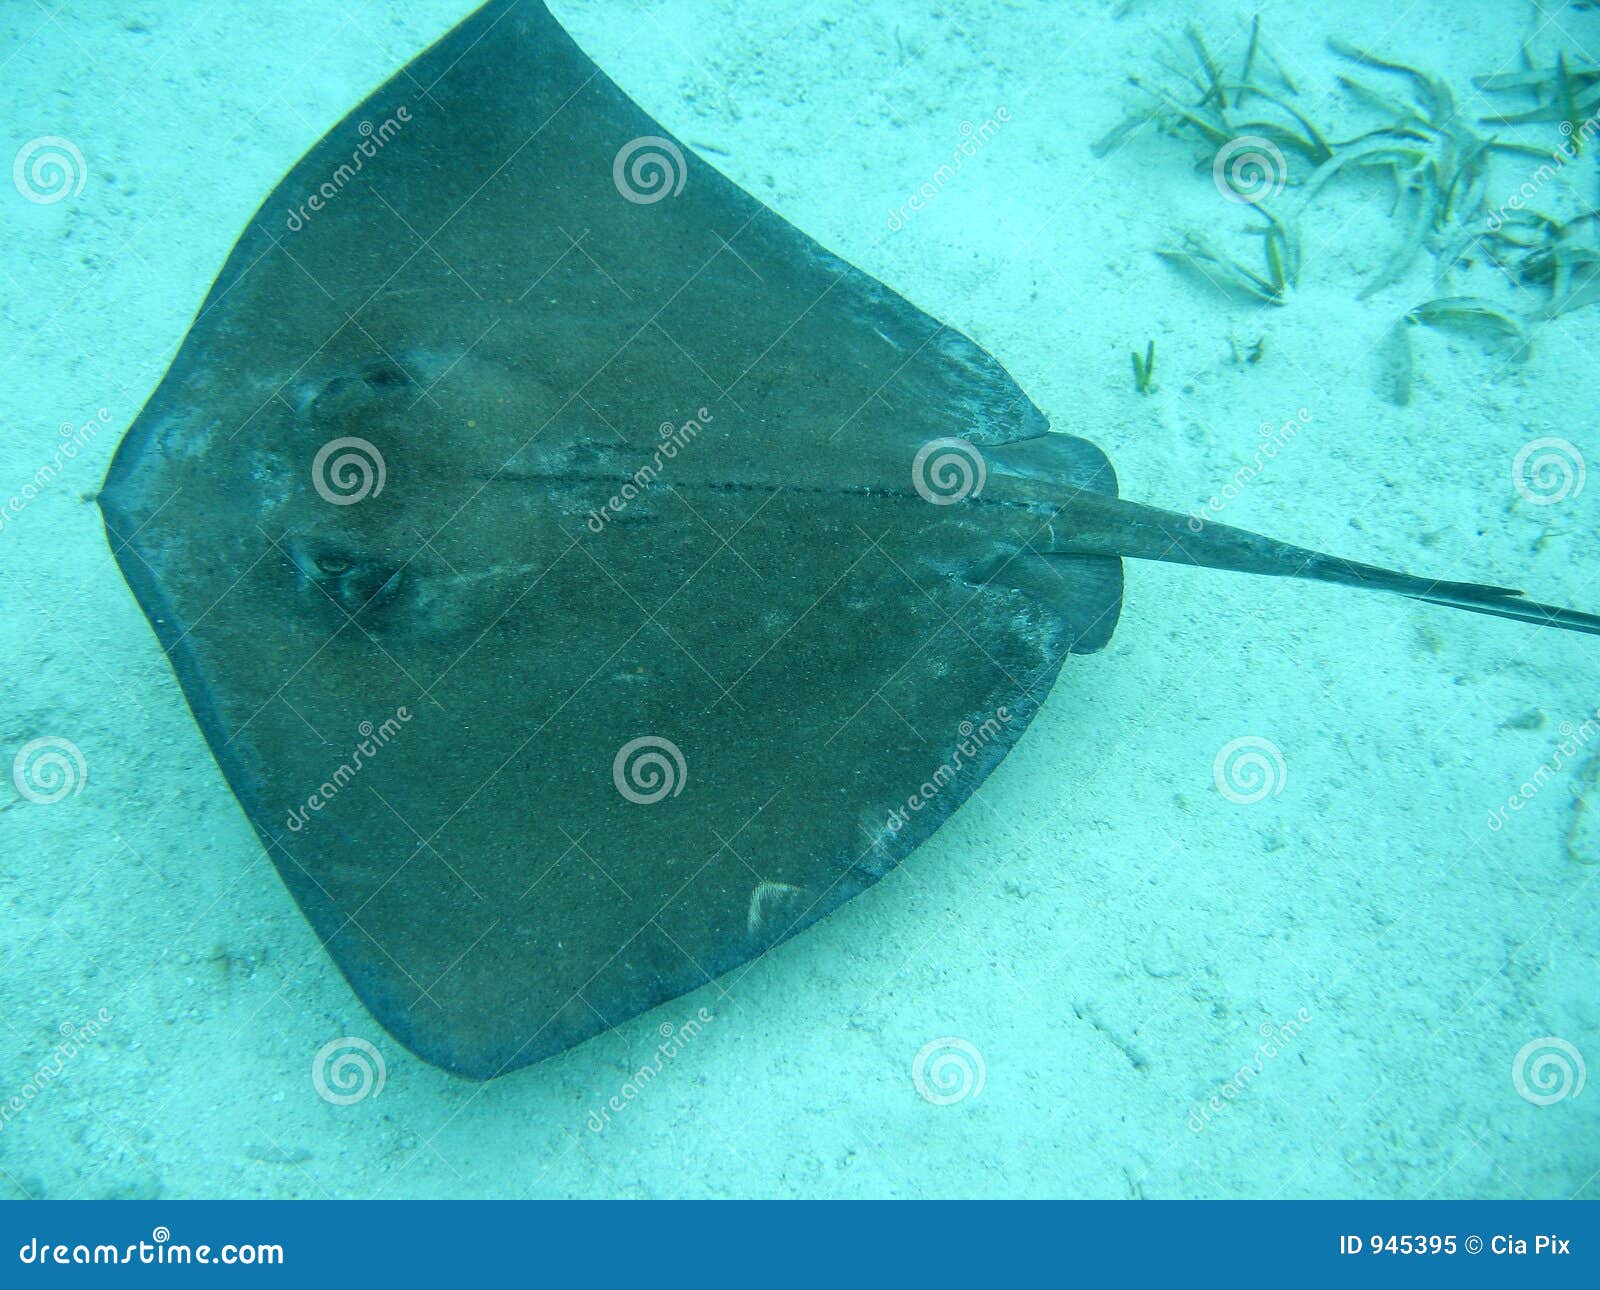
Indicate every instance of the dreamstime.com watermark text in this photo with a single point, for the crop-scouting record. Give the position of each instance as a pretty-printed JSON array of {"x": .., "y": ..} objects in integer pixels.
[
  {"x": 74, "y": 439},
  {"x": 973, "y": 740},
  {"x": 373, "y": 138},
  {"x": 674, "y": 1039},
  {"x": 1275, "y": 1039},
  {"x": 74, "y": 1038},
  {"x": 674, "y": 439},
  {"x": 372, "y": 739},
  {"x": 973, "y": 139},
  {"x": 160, "y": 1249},
  {"x": 1574, "y": 740}
]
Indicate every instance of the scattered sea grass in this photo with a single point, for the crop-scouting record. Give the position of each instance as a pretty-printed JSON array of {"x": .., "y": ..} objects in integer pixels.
[
  {"x": 1396, "y": 365},
  {"x": 1231, "y": 276},
  {"x": 1541, "y": 83},
  {"x": 1144, "y": 369},
  {"x": 1192, "y": 71},
  {"x": 1393, "y": 108},
  {"x": 1571, "y": 272},
  {"x": 1433, "y": 96},
  {"x": 1310, "y": 141},
  {"x": 1420, "y": 201},
  {"x": 1282, "y": 248},
  {"x": 1251, "y": 354},
  {"x": 1473, "y": 316},
  {"x": 1438, "y": 161},
  {"x": 1381, "y": 150},
  {"x": 1252, "y": 49},
  {"x": 1441, "y": 163},
  {"x": 1464, "y": 315},
  {"x": 1214, "y": 90},
  {"x": 1565, "y": 96},
  {"x": 1561, "y": 256},
  {"x": 1222, "y": 271}
]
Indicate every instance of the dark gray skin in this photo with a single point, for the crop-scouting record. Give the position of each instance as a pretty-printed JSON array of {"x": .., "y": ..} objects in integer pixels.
[{"x": 838, "y": 659}]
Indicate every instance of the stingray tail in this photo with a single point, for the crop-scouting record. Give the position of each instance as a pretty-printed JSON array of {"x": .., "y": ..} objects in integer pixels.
[{"x": 1102, "y": 525}]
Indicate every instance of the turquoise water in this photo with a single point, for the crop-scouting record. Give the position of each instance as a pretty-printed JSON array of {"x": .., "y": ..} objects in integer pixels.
[{"x": 1132, "y": 964}]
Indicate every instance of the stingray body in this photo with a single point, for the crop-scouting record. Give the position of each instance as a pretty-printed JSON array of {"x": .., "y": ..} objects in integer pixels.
[{"x": 571, "y": 576}]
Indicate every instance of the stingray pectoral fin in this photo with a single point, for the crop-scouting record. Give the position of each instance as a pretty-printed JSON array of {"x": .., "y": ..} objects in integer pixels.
[{"x": 1109, "y": 526}]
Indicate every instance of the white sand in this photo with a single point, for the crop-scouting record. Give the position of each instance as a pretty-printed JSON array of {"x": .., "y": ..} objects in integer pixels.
[{"x": 1103, "y": 926}]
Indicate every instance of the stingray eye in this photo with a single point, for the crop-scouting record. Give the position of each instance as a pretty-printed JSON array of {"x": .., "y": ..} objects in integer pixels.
[
  {"x": 363, "y": 586},
  {"x": 346, "y": 578}
]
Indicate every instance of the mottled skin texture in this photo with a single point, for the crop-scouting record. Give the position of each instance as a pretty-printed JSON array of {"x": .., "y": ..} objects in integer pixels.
[{"x": 481, "y": 306}]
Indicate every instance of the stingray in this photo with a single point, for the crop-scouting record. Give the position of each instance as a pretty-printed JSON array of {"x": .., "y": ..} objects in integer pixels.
[{"x": 583, "y": 579}]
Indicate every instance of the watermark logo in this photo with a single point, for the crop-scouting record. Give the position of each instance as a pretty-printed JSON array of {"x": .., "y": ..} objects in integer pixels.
[
  {"x": 74, "y": 438},
  {"x": 346, "y": 471},
  {"x": 48, "y": 170},
  {"x": 1547, "y": 471},
  {"x": 1249, "y": 170},
  {"x": 1249, "y": 769},
  {"x": 1567, "y": 151},
  {"x": 948, "y": 1070},
  {"x": 648, "y": 169},
  {"x": 947, "y": 471},
  {"x": 160, "y": 1250},
  {"x": 348, "y": 1070},
  {"x": 648, "y": 769},
  {"x": 47, "y": 769},
  {"x": 1546, "y": 1071}
]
